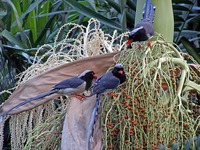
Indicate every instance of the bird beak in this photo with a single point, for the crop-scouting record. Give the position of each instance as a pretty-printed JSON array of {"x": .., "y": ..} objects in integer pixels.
[
  {"x": 120, "y": 72},
  {"x": 95, "y": 76},
  {"x": 129, "y": 41}
]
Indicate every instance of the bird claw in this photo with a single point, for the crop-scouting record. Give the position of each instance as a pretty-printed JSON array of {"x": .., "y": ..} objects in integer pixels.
[
  {"x": 149, "y": 44},
  {"x": 112, "y": 94},
  {"x": 79, "y": 97},
  {"x": 139, "y": 46}
]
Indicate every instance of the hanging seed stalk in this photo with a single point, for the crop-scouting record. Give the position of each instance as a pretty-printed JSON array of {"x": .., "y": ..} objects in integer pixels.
[
  {"x": 156, "y": 106},
  {"x": 152, "y": 108}
]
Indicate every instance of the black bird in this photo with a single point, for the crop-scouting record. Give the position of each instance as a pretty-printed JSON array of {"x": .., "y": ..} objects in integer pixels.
[
  {"x": 104, "y": 84},
  {"x": 144, "y": 29},
  {"x": 72, "y": 87}
]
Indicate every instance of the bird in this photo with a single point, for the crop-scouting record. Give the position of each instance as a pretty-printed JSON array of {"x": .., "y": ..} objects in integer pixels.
[
  {"x": 144, "y": 29},
  {"x": 104, "y": 85},
  {"x": 72, "y": 87}
]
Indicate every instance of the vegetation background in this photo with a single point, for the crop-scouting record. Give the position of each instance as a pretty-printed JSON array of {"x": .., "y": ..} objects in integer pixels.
[{"x": 25, "y": 25}]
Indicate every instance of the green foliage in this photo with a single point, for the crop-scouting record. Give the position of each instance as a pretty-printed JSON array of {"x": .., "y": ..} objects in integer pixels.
[
  {"x": 120, "y": 15},
  {"x": 7, "y": 77},
  {"x": 82, "y": 9},
  {"x": 26, "y": 25},
  {"x": 187, "y": 27}
]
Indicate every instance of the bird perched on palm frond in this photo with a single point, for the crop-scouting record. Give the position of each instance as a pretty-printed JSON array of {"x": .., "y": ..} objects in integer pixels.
[
  {"x": 103, "y": 85},
  {"x": 72, "y": 87},
  {"x": 144, "y": 29}
]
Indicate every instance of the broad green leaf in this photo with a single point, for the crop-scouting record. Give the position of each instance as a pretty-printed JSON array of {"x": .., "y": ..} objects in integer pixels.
[
  {"x": 27, "y": 9},
  {"x": 51, "y": 20},
  {"x": 19, "y": 51},
  {"x": 92, "y": 3},
  {"x": 180, "y": 8},
  {"x": 2, "y": 13},
  {"x": 195, "y": 8},
  {"x": 182, "y": 1},
  {"x": 92, "y": 14},
  {"x": 194, "y": 19},
  {"x": 116, "y": 6},
  {"x": 16, "y": 12},
  {"x": 11, "y": 38},
  {"x": 72, "y": 17},
  {"x": 185, "y": 15},
  {"x": 178, "y": 18},
  {"x": 191, "y": 49},
  {"x": 123, "y": 15},
  {"x": 190, "y": 33},
  {"x": 42, "y": 20},
  {"x": 50, "y": 14},
  {"x": 131, "y": 4},
  {"x": 28, "y": 17}
]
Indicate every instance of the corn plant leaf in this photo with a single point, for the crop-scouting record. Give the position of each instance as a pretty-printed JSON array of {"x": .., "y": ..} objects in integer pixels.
[
  {"x": 131, "y": 4},
  {"x": 47, "y": 24},
  {"x": 92, "y": 14},
  {"x": 41, "y": 21},
  {"x": 182, "y": 1},
  {"x": 51, "y": 13},
  {"x": 16, "y": 12},
  {"x": 92, "y": 3},
  {"x": 178, "y": 18},
  {"x": 28, "y": 10},
  {"x": 194, "y": 19},
  {"x": 11, "y": 38},
  {"x": 116, "y": 6},
  {"x": 191, "y": 49},
  {"x": 123, "y": 15},
  {"x": 2, "y": 13},
  {"x": 181, "y": 8}
]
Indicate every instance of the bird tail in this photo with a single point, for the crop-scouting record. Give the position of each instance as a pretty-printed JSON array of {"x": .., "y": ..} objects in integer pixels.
[
  {"x": 30, "y": 100},
  {"x": 149, "y": 11},
  {"x": 92, "y": 121}
]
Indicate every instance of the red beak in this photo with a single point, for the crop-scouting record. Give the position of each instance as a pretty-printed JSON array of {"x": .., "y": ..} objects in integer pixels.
[
  {"x": 95, "y": 76},
  {"x": 120, "y": 72},
  {"x": 129, "y": 41}
]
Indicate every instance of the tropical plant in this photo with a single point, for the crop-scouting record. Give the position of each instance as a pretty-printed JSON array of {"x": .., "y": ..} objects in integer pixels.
[
  {"x": 120, "y": 15},
  {"x": 187, "y": 27},
  {"x": 26, "y": 25}
]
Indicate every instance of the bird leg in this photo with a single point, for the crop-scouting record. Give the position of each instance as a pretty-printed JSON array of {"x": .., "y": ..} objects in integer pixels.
[
  {"x": 139, "y": 46},
  {"x": 112, "y": 94},
  {"x": 79, "y": 97},
  {"x": 149, "y": 43}
]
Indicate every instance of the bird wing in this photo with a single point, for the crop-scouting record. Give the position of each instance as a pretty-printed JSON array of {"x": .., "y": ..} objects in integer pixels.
[
  {"x": 104, "y": 83},
  {"x": 148, "y": 26},
  {"x": 69, "y": 83}
]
